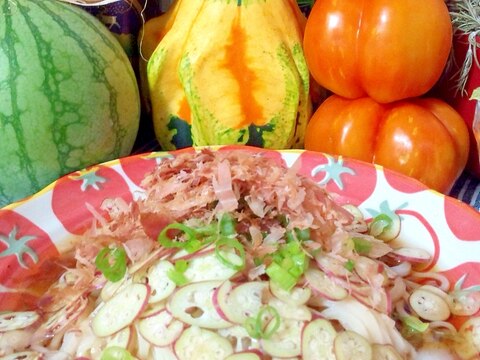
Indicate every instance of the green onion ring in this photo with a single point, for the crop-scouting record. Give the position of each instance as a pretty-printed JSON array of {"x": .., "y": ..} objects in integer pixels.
[
  {"x": 191, "y": 244},
  {"x": 230, "y": 243},
  {"x": 112, "y": 262}
]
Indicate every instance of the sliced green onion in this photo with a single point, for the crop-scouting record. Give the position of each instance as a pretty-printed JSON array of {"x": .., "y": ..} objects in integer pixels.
[
  {"x": 257, "y": 261},
  {"x": 224, "y": 245},
  {"x": 347, "y": 245},
  {"x": 209, "y": 230},
  {"x": 349, "y": 265},
  {"x": 298, "y": 259},
  {"x": 281, "y": 276},
  {"x": 250, "y": 326},
  {"x": 288, "y": 265},
  {"x": 302, "y": 234},
  {"x": 361, "y": 246},
  {"x": 227, "y": 225},
  {"x": 296, "y": 271},
  {"x": 193, "y": 245},
  {"x": 298, "y": 235},
  {"x": 177, "y": 274},
  {"x": 415, "y": 324},
  {"x": 190, "y": 244},
  {"x": 290, "y": 236},
  {"x": 112, "y": 262},
  {"x": 379, "y": 224},
  {"x": 177, "y": 277},
  {"x": 291, "y": 248},
  {"x": 181, "y": 265},
  {"x": 265, "y": 324},
  {"x": 116, "y": 353}
]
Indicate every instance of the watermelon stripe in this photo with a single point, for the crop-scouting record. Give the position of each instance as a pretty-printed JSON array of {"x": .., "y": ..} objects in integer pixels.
[
  {"x": 13, "y": 120},
  {"x": 99, "y": 65},
  {"x": 49, "y": 86},
  {"x": 119, "y": 52}
]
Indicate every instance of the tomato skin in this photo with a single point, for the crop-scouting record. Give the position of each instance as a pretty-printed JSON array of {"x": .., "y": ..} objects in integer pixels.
[
  {"x": 388, "y": 50},
  {"x": 423, "y": 138}
]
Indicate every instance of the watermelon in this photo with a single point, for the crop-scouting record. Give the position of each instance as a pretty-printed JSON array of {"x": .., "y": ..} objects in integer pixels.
[{"x": 69, "y": 97}]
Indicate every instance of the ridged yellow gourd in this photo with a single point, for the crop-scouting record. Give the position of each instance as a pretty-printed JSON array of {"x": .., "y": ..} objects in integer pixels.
[{"x": 228, "y": 72}]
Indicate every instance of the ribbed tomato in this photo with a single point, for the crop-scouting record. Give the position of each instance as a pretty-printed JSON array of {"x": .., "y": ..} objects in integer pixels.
[
  {"x": 422, "y": 138},
  {"x": 386, "y": 49}
]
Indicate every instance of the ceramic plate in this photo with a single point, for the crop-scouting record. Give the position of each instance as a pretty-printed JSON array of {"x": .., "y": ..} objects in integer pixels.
[{"x": 47, "y": 223}]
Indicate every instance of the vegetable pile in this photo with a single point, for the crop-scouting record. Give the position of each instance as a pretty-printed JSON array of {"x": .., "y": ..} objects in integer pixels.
[
  {"x": 386, "y": 55},
  {"x": 261, "y": 263},
  {"x": 363, "y": 53}
]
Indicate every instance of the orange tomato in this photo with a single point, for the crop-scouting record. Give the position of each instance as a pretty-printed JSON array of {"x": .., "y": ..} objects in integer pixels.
[
  {"x": 423, "y": 138},
  {"x": 385, "y": 49}
]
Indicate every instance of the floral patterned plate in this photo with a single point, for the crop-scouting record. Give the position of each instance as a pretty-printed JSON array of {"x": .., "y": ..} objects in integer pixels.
[{"x": 46, "y": 224}]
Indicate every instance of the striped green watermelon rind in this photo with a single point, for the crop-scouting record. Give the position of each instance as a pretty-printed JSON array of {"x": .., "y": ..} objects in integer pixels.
[{"x": 68, "y": 95}]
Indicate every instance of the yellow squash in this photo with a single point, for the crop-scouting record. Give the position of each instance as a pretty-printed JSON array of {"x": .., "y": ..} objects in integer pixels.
[{"x": 228, "y": 72}]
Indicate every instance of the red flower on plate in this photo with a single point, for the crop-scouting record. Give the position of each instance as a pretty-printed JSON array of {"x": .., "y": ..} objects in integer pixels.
[
  {"x": 136, "y": 167},
  {"x": 432, "y": 234},
  {"x": 403, "y": 183},
  {"x": 17, "y": 301},
  {"x": 425, "y": 233},
  {"x": 75, "y": 196},
  {"x": 23, "y": 248},
  {"x": 462, "y": 219},
  {"x": 353, "y": 181}
]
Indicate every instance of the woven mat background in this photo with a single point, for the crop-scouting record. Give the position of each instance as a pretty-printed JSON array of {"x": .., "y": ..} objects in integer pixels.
[{"x": 467, "y": 189}]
